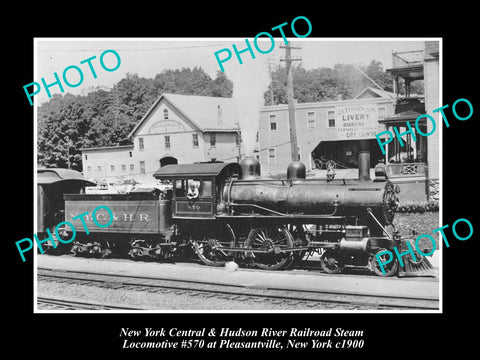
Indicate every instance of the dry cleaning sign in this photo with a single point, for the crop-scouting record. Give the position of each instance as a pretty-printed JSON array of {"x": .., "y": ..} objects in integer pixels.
[{"x": 354, "y": 122}]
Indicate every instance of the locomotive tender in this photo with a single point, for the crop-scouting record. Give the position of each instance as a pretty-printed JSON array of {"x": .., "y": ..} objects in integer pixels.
[{"x": 227, "y": 211}]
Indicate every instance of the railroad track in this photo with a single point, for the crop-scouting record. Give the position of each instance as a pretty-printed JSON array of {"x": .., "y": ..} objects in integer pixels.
[
  {"x": 67, "y": 304},
  {"x": 309, "y": 298}
]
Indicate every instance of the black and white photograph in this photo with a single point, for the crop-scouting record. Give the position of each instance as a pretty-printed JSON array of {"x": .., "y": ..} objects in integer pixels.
[
  {"x": 277, "y": 191},
  {"x": 183, "y": 188}
]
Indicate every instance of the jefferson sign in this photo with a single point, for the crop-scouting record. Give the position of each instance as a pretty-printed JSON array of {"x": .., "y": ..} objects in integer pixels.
[{"x": 354, "y": 122}]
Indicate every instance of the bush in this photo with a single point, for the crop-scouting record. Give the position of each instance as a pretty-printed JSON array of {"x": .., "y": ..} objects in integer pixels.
[{"x": 417, "y": 206}]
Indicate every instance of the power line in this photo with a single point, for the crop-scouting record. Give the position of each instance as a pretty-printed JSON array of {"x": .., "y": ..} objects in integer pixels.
[
  {"x": 139, "y": 50},
  {"x": 358, "y": 68}
]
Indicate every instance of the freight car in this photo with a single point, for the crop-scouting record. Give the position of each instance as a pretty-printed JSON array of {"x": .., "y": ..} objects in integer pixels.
[{"x": 228, "y": 211}]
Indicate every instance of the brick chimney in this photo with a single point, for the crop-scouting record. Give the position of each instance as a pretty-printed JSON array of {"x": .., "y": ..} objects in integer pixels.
[{"x": 219, "y": 115}]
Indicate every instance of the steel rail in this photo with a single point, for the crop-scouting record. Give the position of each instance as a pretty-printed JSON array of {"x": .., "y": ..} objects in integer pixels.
[{"x": 79, "y": 305}]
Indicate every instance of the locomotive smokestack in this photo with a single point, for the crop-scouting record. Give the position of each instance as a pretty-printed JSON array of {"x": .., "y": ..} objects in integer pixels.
[{"x": 364, "y": 161}]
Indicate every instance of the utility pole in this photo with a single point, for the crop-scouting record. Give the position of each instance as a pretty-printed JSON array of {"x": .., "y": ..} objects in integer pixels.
[
  {"x": 291, "y": 105},
  {"x": 239, "y": 139},
  {"x": 69, "y": 144}
]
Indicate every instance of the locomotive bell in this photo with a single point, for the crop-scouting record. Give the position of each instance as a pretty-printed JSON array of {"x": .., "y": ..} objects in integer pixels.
[
  {"x": 250, "y": 168},
  {"x": 381, "y": 171},
  {"x": 296, "y": 170}
]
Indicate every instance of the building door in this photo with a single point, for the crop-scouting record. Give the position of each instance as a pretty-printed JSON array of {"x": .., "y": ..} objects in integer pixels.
[
  {"x": 168, "y": 160},
  {"x": 345, "y": 152}
]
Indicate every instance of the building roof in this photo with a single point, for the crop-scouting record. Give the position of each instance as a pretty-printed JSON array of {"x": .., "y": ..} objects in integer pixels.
[
  {"x": 53, "y": 175},
  {"x": 432, "y": 50},
  {"x": 199, "y": 169},
  {"x": 208, "y": 113},
  {"x": 117, "y": 147},
  {"x": 383, "y": 96},
  {"x": 376, "y": 92},
  {"x": 401, "y": 117},
  {"x": 414, "y": 71}
]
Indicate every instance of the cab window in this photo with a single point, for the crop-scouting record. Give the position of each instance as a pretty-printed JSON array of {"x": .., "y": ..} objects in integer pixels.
[
  {"x": 193, "y": 188},
  {"x": 206, "y": 188},
  {"x": 180, "y": 188}
]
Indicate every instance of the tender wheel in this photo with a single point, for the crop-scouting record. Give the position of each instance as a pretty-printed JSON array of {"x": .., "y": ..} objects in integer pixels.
[
  {"x": 273, "y": 240},
  {"x": 100, "y": 249},
  {"x": 390, "y": 269},
  {"x": 332, "y": 262},
  {"x": 136, "y": 252},
  {"x": 210, "y": 250}
]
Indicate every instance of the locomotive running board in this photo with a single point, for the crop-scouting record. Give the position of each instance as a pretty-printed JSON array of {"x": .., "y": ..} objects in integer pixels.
[
  {"x": 282, "y": 215},
  {"x": 260, "y": 251}
]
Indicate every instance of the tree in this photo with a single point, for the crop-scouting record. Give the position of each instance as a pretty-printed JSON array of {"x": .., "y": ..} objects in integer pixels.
[
  {"x": 69, "y": 123},
  {"x": 376, "y": 72},
  {"x": 343, "y": 81},
  {"x": 64, "y": 133},
  {"x": 222, "y": 86}
]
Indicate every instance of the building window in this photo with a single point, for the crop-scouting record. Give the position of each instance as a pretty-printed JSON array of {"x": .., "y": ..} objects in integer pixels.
[
  {"x": 310, "y": 120},
  {"x": 381, "y": 113},
  {"x": 130, "y": 153},
  {"x": 272, "y": 156},
  {"x": 132, "y": 168},
  {"x": 298, "y": 153},
  {"x": 331, "y": 119},
  {"x": 213, "y": 140},
  {"x": 167, "y": 142},
  {"x": 195, "y": 140},
  {"x": 112, "y": 167},
  {"x": 165, "y": 114},
  {"x": 99, "y": 168},
  {"x": 124, "y": 167},
  {"x": 141, "y": 146},
  {"x": 142, "y": 167},
  {"x": 86, "y": 157},
  {"x": 273, "y": 122},
  {"x": 89, "y": 168}
]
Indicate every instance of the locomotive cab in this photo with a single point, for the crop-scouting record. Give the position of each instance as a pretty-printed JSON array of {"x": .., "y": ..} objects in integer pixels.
[{"x": 197, "y": 188}]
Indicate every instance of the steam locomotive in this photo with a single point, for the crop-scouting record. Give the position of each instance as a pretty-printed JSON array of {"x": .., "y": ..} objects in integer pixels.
[{"x": 228, "y": 211}]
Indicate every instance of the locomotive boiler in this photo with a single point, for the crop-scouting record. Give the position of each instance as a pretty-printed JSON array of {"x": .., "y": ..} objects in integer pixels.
[{"x": 297, "y": 195}]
